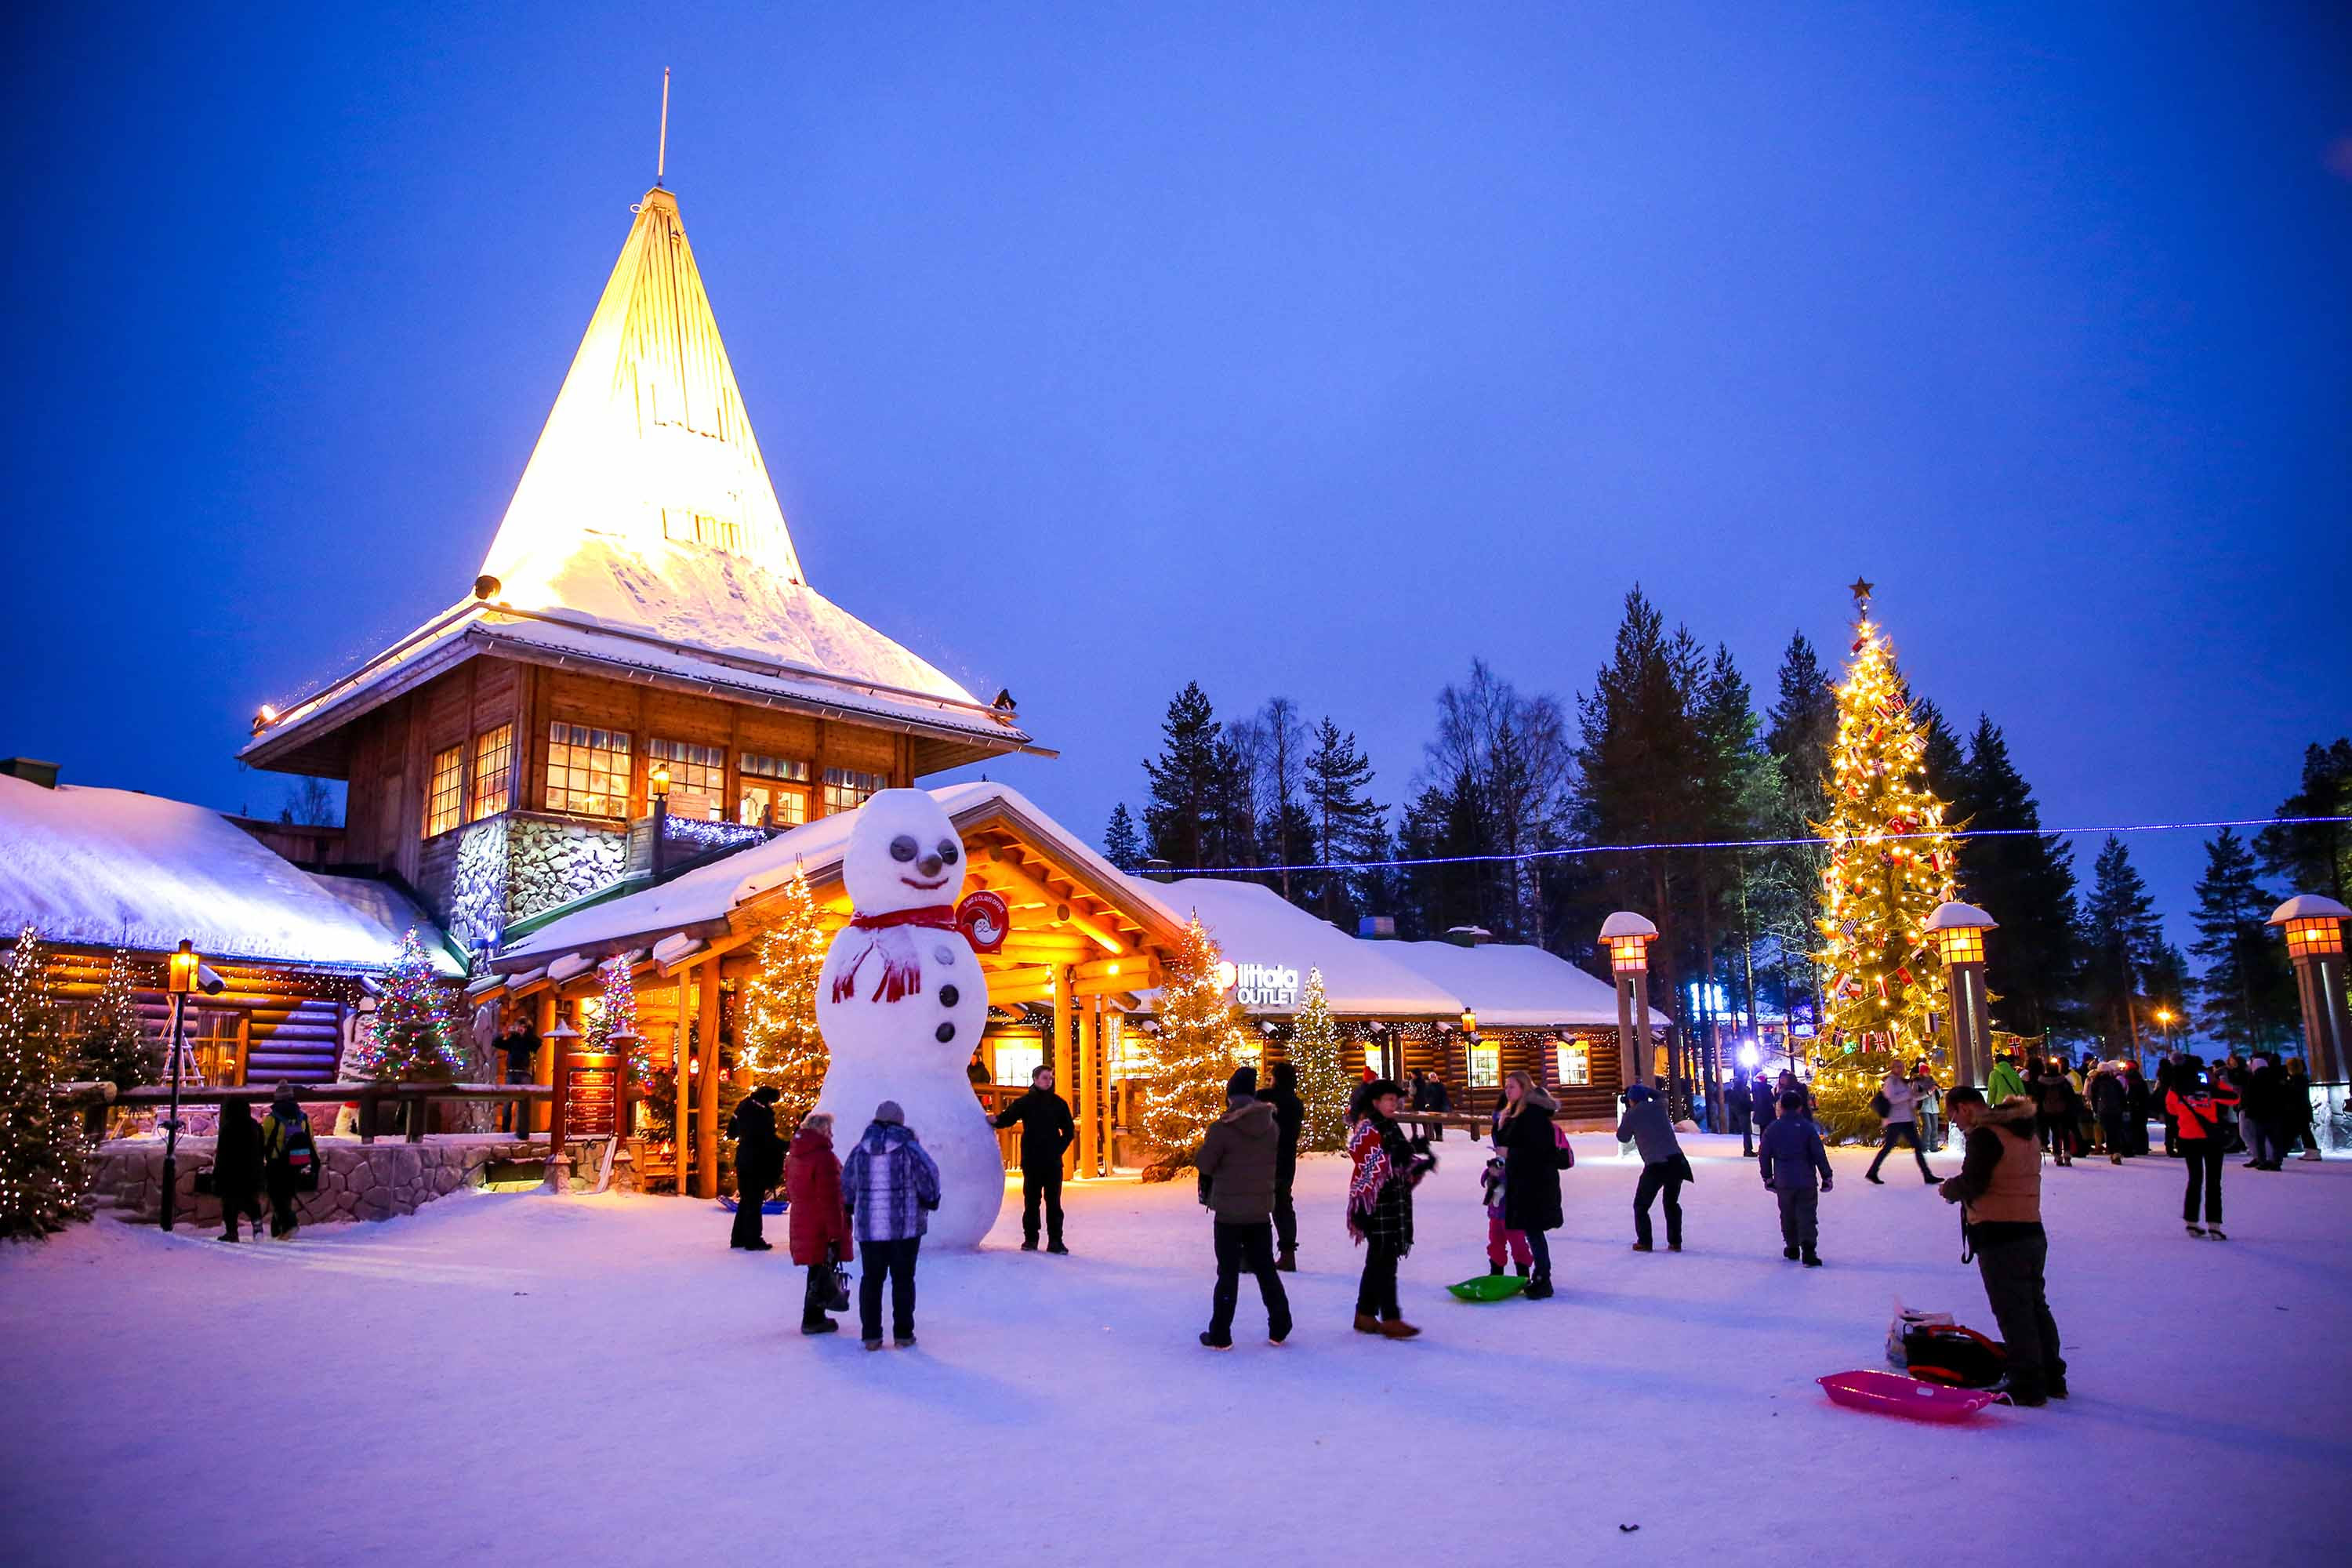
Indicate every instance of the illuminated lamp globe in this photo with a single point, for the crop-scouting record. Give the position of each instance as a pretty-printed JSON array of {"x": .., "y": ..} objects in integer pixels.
[
  {"x": 1959, "y": 930},
  {"x": 1628, "y": 936},
  {"x": 2312, "y": 924}
]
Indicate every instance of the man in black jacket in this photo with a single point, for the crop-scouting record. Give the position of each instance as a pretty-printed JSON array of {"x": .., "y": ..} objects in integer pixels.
[
  {"x": 1289, "y": 1118},
  {"x": 1999, "y": 1190},
  {"x": 1044, "y": 1118},
  {"x": 758, "y": 1162}
]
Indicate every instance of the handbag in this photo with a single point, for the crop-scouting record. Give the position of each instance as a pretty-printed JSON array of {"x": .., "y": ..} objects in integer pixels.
[
  {"x": 1563, "y": 1152},
  {"x": 839, "y": 1301},
  {"x": 204, "y": 1186}
]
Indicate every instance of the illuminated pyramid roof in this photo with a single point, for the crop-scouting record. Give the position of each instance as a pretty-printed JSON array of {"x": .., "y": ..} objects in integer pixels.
[{"x": 645, "y": 537}]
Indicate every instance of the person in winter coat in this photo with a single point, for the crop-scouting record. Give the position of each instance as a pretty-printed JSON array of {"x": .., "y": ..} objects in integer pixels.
[
  {"x": 1998, "y": 1189},
  {"x": 1532, "y": 1152},
  {"x": 1762, "y": 1098},
  {"x": 2110, "y": 1103},
  {"x": 1289, "y": 1119},
  {"x": 1790, "y": 1157},
  {"x": 1237, "y": 1182},
  {"x": 236, "y": 1168},
  {"x": 1046, "y": 1129},
  {"x": 1665, "y": 1167},
  {"x": 759, "y": 1163},
  {"x": 2056, "y": 1102},
  {"x": 2168, "y": 1072},
  {"x": 2294, "y": 1088},
  {"x": 2204, "y": 1142},
  {"x": 890, "y": 1185},
  {"x": 816, "y": 1222},
  {"x": 2264, "y": 1109},
  {"x": 1806, "y": 1105},
  {"x": 290, "y": 1160},
  {"x": 2004, "y": 1082},
  {"x": 1387, "y": 1166},
  {"x": 1928, "y": 1105},
  {"x": 1739, "y": 1100},
  {"x": 2136, "y": 1110},
  {"x": 1432, "y": 1097},
  {"x": 1901, "y": 1123}
]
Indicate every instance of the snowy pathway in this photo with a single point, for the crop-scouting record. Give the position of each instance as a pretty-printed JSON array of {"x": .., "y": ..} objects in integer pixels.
[{"x": 601, "y": 1381}]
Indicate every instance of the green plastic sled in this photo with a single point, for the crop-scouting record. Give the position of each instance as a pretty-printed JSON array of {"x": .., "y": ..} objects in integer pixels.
[{"x": 1490, "y": 1288}]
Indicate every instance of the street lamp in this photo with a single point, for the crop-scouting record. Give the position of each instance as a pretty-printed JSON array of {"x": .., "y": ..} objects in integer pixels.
[
  {"x": 2314, "y": 928},
  {"x": 1959, "y": 930},
  {"x": 1628, "y": 936},
  {"x": 657, "y": 785},
  {"x": 2164, "y": 1016},
  {"x": 181, "y": 982}
]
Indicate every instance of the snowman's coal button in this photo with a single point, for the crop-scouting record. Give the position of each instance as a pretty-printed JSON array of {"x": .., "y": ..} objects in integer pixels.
[
  {"x": 946, "y": 1033},
  {"x": 944, "y": 956},
  {"x": 948, "y": 994}
]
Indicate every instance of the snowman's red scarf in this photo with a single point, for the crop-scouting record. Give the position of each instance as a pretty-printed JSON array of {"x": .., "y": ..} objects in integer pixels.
[{"x": 902, "y": 961}]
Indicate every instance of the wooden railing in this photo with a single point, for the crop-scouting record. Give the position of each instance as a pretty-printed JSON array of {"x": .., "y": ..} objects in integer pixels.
[{"x": 370, "y": 1096}]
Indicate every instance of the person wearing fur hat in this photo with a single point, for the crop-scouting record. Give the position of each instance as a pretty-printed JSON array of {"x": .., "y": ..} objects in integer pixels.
[
  {"x": 1387, "y": 1166},
  {"x": 1290, "y": 1120},
  {"x": 1790, "y": 1155},
  {"x": 1998, "y": 1189},
  {"x": 1046, "y": 1129},
  {"x": 889, "y": 1186},
  {"x": 1531, "y": 1151},
  {"x": 1664, "y": 1166},
  {"x": 1236, "y": 1164}
]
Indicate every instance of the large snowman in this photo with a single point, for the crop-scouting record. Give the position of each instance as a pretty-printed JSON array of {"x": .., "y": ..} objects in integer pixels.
[{"x": 902, "y": 1001}]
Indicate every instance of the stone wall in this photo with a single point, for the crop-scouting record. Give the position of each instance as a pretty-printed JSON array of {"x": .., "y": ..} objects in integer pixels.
[
  {"x": 478, "y": 893},
  {"x": 552, "y": 860},
  {"x": 357, "y": 1181}
]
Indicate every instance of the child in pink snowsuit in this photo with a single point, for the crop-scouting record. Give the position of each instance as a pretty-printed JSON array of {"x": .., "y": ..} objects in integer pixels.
[{"x": 1496, "y": 1236}]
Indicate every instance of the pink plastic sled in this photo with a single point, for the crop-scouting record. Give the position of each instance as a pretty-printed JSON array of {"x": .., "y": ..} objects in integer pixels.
[{"x": 1892, "y": 1393}]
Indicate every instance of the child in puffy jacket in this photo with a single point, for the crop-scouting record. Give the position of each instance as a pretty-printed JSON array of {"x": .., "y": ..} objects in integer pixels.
[
  {"x": 1791, "y": 1156},
  {"x": 1500, "y": 1237}
]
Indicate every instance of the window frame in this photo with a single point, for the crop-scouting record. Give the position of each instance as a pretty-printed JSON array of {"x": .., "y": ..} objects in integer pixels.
[
  {"x": 490, "y": 789},
  {"x": 1569, "y": 1048},
  {"x": 616, "y": 773},
  {"x": 445, "y": 791},
  {"x": 694, "y": 766},
  {"x": 1484, "y": 1064},
  {"x": 842, "y": 781}
]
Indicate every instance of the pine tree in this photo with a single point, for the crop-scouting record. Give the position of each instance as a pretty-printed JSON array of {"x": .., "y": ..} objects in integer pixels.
[
  {"x": 2120, "y": 938},
  {"x": 2246, "y": 995},
  {"x": 1285, "y": 828},
  {"x": 1181, "y": 817},
  {"x": 114, "y": 1045},
  {"x": 410, "y": 1037},
  {"x": 42, "y": 1156},
  {"x": 1200, "y": 1041},
  {"x": 776, "y": 1038},
  {"x": 1319, "y": 1054},
  {"x": 1122, "y": 846},
  {"x": 1800, "y": 727},
  {"x": 614, "y": 1022},
  {"x": 1346, "y": 821},
  {"x": 1882, "y": 883},
  {"x": 2314, "y": 856},
  {"x": 2025, "y": 879},
  {"x": 1941, "y": 761}
]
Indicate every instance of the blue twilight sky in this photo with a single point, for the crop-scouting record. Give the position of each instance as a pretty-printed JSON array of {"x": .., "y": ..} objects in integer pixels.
[{"x": 1295, "y": 349}]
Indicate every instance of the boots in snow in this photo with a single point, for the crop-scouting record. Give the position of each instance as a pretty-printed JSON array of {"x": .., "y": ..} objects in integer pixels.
[
  {"x": 1518, "y": 1269},
  {"x": 1538, "y": 1289},
  {"x": 1366, "y": 1324},
  {"x": 1493, "y": 1269},
  {"x": 1812, "y": 1259},
  {"x": 1789, "y": 1252},
  {"x": 1397, "y": 1328}
]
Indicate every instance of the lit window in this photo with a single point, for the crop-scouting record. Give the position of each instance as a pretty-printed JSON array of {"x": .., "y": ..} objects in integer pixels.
[
  {"x": 698, "y": 777},
  {"x": 1486, "y": 1066},
  {"x": 774, "y": 791},
  {"x": 1372, "y": 1057},
  {"x": 587, "y": 769},
  {"x": 1016, "y": 1058},
  {"x": 1575, "y": 1061},
  {"x": 493, "y": 771},
  {"x": 444, "y": 801},
  {"x": 846, "y": 791}
]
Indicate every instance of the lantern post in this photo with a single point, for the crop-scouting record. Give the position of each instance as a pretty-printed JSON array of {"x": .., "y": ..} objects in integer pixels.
[
  {"x": 2314, "y": 928},
  {"x": 657, "y": 785},
  {"x": 558, "y": 1055},
  {"x": 183, "y": 981},
  {"x": 1628, "y": 936},
  {"x": 1959, "y": 930}
]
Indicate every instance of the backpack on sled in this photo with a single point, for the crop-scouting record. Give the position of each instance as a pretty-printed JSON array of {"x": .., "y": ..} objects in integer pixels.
[{"x": 1955, "y": 1356}]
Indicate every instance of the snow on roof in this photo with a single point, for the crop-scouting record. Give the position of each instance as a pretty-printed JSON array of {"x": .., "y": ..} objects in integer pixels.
[
  {"x": 1513, "y": 986},
  {"x": 710, "y": 893},
  {"x": 114, "y": 868},
  {"x": 1254, "y": 924}
]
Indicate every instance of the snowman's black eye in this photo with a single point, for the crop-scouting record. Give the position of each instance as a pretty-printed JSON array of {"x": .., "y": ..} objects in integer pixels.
[
  {"x": 902, "y": 847},
  {"x": 949, "y": 850}
]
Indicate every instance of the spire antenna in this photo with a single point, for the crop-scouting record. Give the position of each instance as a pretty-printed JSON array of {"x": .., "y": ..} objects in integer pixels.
[{"x": 661, "y": 152}]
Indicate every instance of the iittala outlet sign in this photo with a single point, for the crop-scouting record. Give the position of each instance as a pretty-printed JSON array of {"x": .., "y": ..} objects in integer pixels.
[{"x": 1273, "y": 987}]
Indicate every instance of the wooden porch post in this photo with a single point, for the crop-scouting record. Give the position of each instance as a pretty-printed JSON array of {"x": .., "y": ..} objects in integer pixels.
[
  {"x": 705, "y": 1136},
  {"x": 1057, "y": 1054},
  {"x": 1089, "y": 1036},
  {"x": 679, "y": 1056},
  {"x": 543, "y": 1062}
]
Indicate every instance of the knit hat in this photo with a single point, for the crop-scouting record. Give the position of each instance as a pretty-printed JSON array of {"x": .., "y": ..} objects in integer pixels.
[
  {"x": 888, "y": 1114},
  {"x": 1640, "y": 1093},
  {"x": 1242, "y": 1085}
]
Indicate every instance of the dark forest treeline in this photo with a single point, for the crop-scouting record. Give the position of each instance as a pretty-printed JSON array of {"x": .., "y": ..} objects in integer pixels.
[{"x": 1667, "y": 745}]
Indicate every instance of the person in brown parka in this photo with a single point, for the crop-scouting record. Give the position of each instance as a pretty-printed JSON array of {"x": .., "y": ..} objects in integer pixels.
[
  {"x": 1236, "y": 1163},
  {"x": 816, "y": 1222}
]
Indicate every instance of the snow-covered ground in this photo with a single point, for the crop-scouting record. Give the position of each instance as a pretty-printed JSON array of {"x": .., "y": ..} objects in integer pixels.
[{"x": 600, "y": 1379}]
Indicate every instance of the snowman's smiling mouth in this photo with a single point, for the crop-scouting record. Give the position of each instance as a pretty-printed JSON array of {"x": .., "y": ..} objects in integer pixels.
[{"x": 925, "y": 887}]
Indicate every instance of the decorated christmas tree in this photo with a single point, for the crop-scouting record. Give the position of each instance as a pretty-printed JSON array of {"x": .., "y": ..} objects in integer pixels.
[
  {"x": 776, "y": 1038},
  {"x": 1320, "y": 1056},
  {"x": 1199, "y": 1044},
  {"x": 41, "y": 1150},
  {"x": 1890, "y": 860},
  {"x": 114, "y": 1048},
  {"x": 411, "y": 1037},
  {"x": 614, "y": 1024}
]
